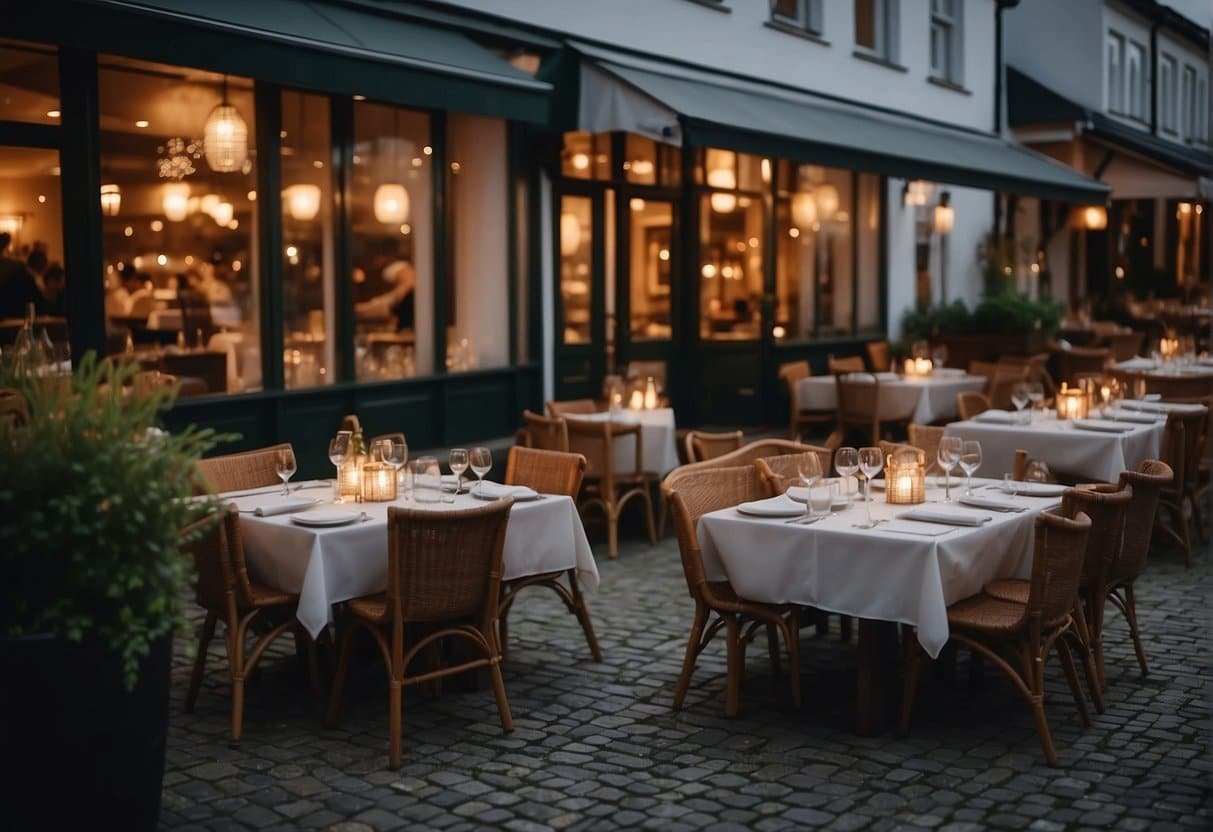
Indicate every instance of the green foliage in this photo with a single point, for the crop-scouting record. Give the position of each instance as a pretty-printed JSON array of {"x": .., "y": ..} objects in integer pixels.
[
  {"x": 1015, "y": 314},
  {"x": 94, "y": 505},
  {"x": 998, "y": 258},
  {"x": 950, "y": 319}
]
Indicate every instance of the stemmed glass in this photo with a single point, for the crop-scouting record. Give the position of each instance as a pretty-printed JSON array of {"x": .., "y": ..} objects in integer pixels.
[
  {"x": 970, "y": 461},
  {"x": 846, "y": 463},
  {"x": 1036, "y": 395},
  {"x": 948, "y": 456},
  {"x": 284, "y": 464},
  {"x": 482, "y": 463},
  {"x": 1037, "y": 471},
  {"x": 1019, "y": 395},
  {"x": 871, "y": 462},
  {"x": 339, "y": 448},
  {"x": 394, "y": 452},
  {"x": 458, "y": 461}
]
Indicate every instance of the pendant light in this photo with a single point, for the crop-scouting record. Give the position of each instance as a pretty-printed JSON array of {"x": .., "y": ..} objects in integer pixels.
[
  {"x": 175, "y": 200},
  {"x": 722, "y": 173},
  {"x": 111, "y": 200},
  {"x": 570, "y": 234},
  {"x": 226, "y": 137},
  {"x": 827, "y": 200},
  {"x": 223, "y": 213},
  {"x": 302, "y": 202},
  {"x": 804, "y": 210},
  {"x": 391, "y": 201}
]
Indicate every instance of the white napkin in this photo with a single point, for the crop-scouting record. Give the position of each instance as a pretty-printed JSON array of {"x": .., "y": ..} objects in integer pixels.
[
  {"x": 995, "y": 417},
  {"x": 1137, "y": 363},
  {"x": 887, "y": 376},
  {"x": 941, "y": 515},
  {"x": 1038, "y": 489},
  {"x": 948, "y": 372},
  {"x": 496, "y": 491},
  {"x": 779, "y": 506},
  {"x": 1102, "y": 426},
  {"x": 284, "y": 506},
  {"x": 1136, "y": 418},
  {"x": 992, "y": 504}
]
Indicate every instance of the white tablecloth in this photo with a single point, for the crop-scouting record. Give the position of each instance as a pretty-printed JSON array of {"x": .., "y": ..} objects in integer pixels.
[
  {"x": 922, "y": 400},
  {"x": 871, "y": 573},
  {"x": 659, "y": 449},
  {"x": 328, "y": 565},
  {"x": 1098, "y": 456},
  {"x": 1149, "y": 365}
]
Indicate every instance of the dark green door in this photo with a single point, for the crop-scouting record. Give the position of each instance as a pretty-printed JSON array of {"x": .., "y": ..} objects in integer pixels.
[{"x": 580, "y": 350}]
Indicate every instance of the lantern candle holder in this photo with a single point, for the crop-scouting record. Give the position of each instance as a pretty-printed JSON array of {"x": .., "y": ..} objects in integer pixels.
[
  {"x": 1072, "y": 403},
  {"x": 1168, "y": 348},
  {"x": 905, "y": 477},
  {"x": 650, "y": 394},
  {"x": 918, "y": 367},
  {"x": 351, "y": 478},
  {"x": 378, "y": 482}
]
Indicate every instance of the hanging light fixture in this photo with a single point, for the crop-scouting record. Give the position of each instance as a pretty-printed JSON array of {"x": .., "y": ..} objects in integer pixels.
[
  {"x": 1095, "y": 218},
  {"x": 223, "y": 213},
  {"x": 302, "y": 202},
  {"x": 570, "y": 234},
  {"x": 175, "y": 200},
  {"x": 945, "y": 214},
  {"x": 111, "y": 200},
  {"x": 827, "y": 200},
  {"x": 391, "y": 201},
  {"x": 804, "y": 210},
  {"x": 722, "y": 173},
  {"x": 226, "y": 137}
]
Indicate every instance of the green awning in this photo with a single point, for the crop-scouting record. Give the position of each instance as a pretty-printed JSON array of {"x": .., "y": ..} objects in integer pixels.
[
  {"x": 710, "y": 109},
  {"x": 312, "y": 45}
]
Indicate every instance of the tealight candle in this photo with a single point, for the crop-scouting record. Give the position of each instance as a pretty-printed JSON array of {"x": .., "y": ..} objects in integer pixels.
[
  {"x": 650, "y": 394},
  {"x": 905, "y": 479},
  {"x": 378, "y": 482},
  {"x": 1071, "y": 403},
  {"x": 637, "y": 400}
]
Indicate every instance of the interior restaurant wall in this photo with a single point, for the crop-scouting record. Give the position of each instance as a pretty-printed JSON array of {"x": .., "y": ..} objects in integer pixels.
[
  {"x": 40, "y": 221},
  {"x": 1058, "y": 47}
]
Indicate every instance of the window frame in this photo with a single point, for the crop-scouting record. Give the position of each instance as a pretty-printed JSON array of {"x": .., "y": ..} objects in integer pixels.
[
  {"x": 1188, "y": 103},
  {"x": 886, "y": 17},
  {"x": 953, "y": 26},
  {"x": 1115, "y": 69},
  {"x": 1136, "y": 80},
  {"x": 1168, "y": 77},
  {"x": 808, "y": 18}
]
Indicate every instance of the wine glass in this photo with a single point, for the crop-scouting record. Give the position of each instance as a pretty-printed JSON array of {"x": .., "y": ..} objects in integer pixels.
[
  {"x": 871, "y": 462},
  {"x": 394, "y": 452},
  {"x": 947, "y": 456},
  {"x": 1019, "y": 395},
  {"x": 284, "y": 464},
  {"x": 339, "y": 448},
  {"x": 458, "y": 461},
  {"x": 970, "y": 461},
  {"x": 1036, "y": 471},
  {"x": 846, "y": 463},
  {"x": 482, "y": 463},
  {"x": 1036, "y": 395}
]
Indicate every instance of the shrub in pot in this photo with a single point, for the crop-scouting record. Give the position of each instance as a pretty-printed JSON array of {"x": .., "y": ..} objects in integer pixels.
[{"x": 94, "y": 584}]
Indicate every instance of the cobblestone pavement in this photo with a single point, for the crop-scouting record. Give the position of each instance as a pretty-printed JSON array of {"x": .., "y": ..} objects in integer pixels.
[{"x": 596, "y": 746}]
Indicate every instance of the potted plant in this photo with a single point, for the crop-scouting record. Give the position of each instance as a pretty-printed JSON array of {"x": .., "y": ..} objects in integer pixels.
[{"x": 94, "y": 498}]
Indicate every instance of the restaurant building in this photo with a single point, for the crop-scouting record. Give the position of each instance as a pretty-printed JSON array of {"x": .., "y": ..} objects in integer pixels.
[{"x": 437, "y": 214}]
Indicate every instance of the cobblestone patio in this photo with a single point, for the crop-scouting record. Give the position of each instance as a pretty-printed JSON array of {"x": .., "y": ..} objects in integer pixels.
[{"x": 596, "y": 746}]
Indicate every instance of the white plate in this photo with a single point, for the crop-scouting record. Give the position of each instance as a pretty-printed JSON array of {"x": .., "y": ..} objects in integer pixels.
[
  {"x": 326, "y": 517},
  {"x": 781, "y": 506}
]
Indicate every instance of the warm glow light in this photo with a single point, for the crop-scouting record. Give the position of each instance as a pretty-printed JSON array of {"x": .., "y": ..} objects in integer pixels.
[
  {"x": 917, "y": 192},
  {"x": 722, "y": 173},
  {"x": 189, "y": 259},
  {"x": 827, "y": 200},
  {"x": 302, "y": 202},
  {"x": 53, "y": 114},
  {"x": 141, "y": 123},
  {"x": 225, "y": 139},
  {"x": 723, "y": 203},
  {"x": 237, "y": 265},
  {"x": 207, "y": 204},
  {"x": 643, "y": 167},
  {"x": 804, "y": 209},
  {"x": 636, "y": 204},
  {"x": 779, "y": 332},
  {"x": 708, "y": 271},
  {"x": 128, "y": 232},
  {"x": 252, "y": 196},
  {"x": 664, "y": 254},
  {"x": 157, "y": 225},
  {"x": 391, "y": 204},
  {"x": 161, "y": 260},
  {"x": 793, "y": 232},
  {"x": 765, "y": 166},
  {"x": 291, "y": 251},
  {"x": 223, "y": 213},
  {"x": 234, "y": 224},
  {"x": 570, "y": 234},
  {"x": 1071, "y": 403},
  {"x": 1120, "y": 272},
  {"x": 10, "y": 225},
  {"x": 111, "y": 200},
  {"x": 427, "y": 150},
  {"x": 726, "y": 272},
  {"x": 945, "y": 219},
  {"x": 175, "y": 200},
  {"x": 581, "y": 161},
  {"x": 1185, "y": 207},
  {"x": 406, "y": 229},
  {"x": 1095, "y": 218}
]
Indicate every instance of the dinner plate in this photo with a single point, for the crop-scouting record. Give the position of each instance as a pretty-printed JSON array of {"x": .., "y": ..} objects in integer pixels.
[
  {"x": 326, "y": 517},
  {"x": 781, "y": 506}
]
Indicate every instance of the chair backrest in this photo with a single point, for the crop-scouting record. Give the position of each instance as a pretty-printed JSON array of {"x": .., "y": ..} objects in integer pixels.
[
  {"x": 745, "y": 455},
  {"x": 970, "y": 403},
  {"x": 1180, "y": 388},
  {"x": 195, "y": 314},
  {"x": 215, "y": 543},
  {"x": 549, "y": 434},
  {"x": 1183, "y": 445},
  {"x": 548, "y": 472},
  {"x": 1080, "y": 360},
  {"x": 573, "y": 406},
  {"x": 927, "y": 437},
  {"x": 701, "y": 445},
  {"x": 1057, "y": 564},
  {"x": 1107, "y": 511},
  {"x": 1124, "y": 345},
  {"x": 879, "y": 356},
  {"x": 1006, "y": 376},
  {"x": 596, "y": 442},
  {"x": 445, "y": 564},
  {"x": 859, "y": 404},
  {"x": 779, "y": 472},
  {"x": 698, "y": 493},
  {"x": 240, "y": 471},
  {"x": 846, "y": 364},
  {"x": 1147, "y": 481},
  {"x": 791, "y": 373}
]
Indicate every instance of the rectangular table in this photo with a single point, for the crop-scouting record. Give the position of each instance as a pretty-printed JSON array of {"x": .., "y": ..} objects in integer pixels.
[
  {"x": 659, "y": 449},
  {"x": 1085, "y": 453},
  {"x": 921, "y": 400},
  {"x": 328, "y": 565}
]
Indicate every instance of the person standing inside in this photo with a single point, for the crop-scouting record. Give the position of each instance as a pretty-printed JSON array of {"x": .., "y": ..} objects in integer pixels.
[
  {"x": 17, "y": 285},
  {"x": 54, "y": 294}
]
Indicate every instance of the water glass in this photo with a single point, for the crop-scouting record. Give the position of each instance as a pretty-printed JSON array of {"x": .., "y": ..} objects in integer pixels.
[
  {"x": 339, "y": 447},
  {"x": 1019, "y": 395},
  {"x": 871, "y": 462},
  {"x": 1037, "y": 471},
  {"x": 481, "y": 462},
  {"x": 427, "y": 479},
  {"x": 458, "y": 461},
  {"x": 284, "y": 465},
  {"x": 970, "y": 461},
  {"x": 1036, "y": 395},
  {"x": 948, "y": 456}
]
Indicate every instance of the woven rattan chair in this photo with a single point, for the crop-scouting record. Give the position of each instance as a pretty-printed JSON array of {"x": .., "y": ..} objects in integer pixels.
[
  {"x": 928, "y": 438},
  {"x": 240, "y": 471},
  {"x": 603, "y": 486},
  {"x": 1028, "y": 632},
  {"x": 1177, "y": 388},
  {"x": 970, "y": 403},
  {"x": 1080, "y": 360},
  {"x": 880, "y": 359},
  {"x": 1183, "y": 446},
  {"x": 799, "y": 419},
  {"x": 701, "y": 445},
  {"x": 846, "y": 364},
  {"x": 228, "y": 594},
  {"x": 544, "y": 433},
  {"x": 717, "y": 605},
  {"x": 779, "y": 472},
  {"x": 859, "y": 406},
  {"x": 1124, "y": 345},
  {"x": 548, "y": 472},
  {"x": 444, "y": 579},
  {"x": 572, "y": 406},
  {"x": 1000, "y": 385}
]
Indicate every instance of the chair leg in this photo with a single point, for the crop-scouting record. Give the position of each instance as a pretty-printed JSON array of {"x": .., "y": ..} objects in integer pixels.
[
  {"x": 773, "y": 647},
  {"x": 1097, "y": 607},
  {"x": 235, "y": 660},
  {"x": 1088, "y": 664},
  {"x": 1067, "y": 664},
  {"x": 395, "y": 706},
  {"x": 688, "y": 661},
  {"x": 503, "y": 632},
  {"x": 736, "y": 664},
  {"x": 503, "y": 705},
  {"x": 793, "y": 636},
  {"x": 583, "y": 616},
  {"x": 612, "y": 523},
  {"x": 343, "y": 666},
  {"x": 1042, "y": 728},
  {"x": 1131, "y": 617},
  {"x": 913, "y": 668},
  {"x": 648, "y": 516},
  {"x": 204, "y": 640}
]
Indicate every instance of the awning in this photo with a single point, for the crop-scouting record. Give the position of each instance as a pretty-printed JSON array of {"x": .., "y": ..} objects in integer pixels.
[
  {"x": 312, "y": 45},
  {"x": 673, "y": 103}
]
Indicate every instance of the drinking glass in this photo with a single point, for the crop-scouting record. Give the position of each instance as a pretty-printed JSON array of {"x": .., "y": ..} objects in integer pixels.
[
  {"x": 482, "y": 463},
  {"x": 395, "y": 453},
  {"x": 948, "y": 456},
  {"x": 284, "y": 464},
  {"x": 427, "y": 479},
  {"x": 846, "y": 463},
  {"x": 1019, "y": 395},
  {"x": 458, "y": 461},
  {"x": 821, "y": 498},
  {"x": 871, "y": 462},
  {"x": 1037, "y": 471},
  {"x": 1036, "y": 395},
  {"x": 339, "y": 447},
  {"x": 970, "y": 461}
]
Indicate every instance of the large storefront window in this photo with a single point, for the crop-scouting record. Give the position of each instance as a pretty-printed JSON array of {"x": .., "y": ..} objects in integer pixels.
[
  {"x": 178, "y": 197},
  {"x": 391, "y": 214},
  {"x": 576, "y": 247},
  {"x": 586, "y": 156},
  {"x": 652, "y": 265},
  {"x": 29, "y": 82},
  {"x": 731, "y": 245}
]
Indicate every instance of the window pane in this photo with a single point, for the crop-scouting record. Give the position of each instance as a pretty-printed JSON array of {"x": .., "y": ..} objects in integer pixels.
[
  {"x": 586, "y": 155},
  {"x": 730, "y": 266},
  {"x": 867, "y": 269},
  {"x": 789, "y": 9},
  {"x": 180, "y": 222},
  {"x": 865, "y": 23},
  {"x": 29, "y": 82},
  {"x": 576, "y": 245},
  {"x": 640, "y": 166},
  {"x": 391, "y": 212},
  {"x": 652, "y": 262}
]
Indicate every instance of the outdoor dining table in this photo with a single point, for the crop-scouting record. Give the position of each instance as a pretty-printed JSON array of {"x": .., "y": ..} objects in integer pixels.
[
  {"x": 1096, "y": 449},
  {"x": 657, "y": 436},
  {"x": 900, "y": 571},
  {"x": 921, "y": 399},
  {"x": 327, "y": 565},
  {"x": 1201, "y": 368}
]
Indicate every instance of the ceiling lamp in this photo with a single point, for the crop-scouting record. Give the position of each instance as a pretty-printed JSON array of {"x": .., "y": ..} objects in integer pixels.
[
  {"x": 226, "y": 137},
  {"x": 916, "y": 192},
  {"x": 722, "y": 173},
  {"x": 111, "y": 200},
  {"x": 643, "y": 167},
  {"x": 804, "y": 209},
  {"x": 391, "y": 204},
  {"x": 945, "y": 214},
  {"x": 570, "y": 234},
  {"x": 827, "y": 200},
  {"x": 175, "y": 200},
  {"x": 302, "y": 202},
  {"x": 223, "y": 213},
  {"x": 1095, "y": 218},
  {"x": 207, "y": 204}
]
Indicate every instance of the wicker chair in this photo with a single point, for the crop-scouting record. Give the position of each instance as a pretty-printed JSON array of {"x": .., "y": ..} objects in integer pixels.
[
  {"x": 1124, "y": 345},
  {"x": 1028, "y": 631},
  {"x": 444, "y": 576},
  {"x": 880, "y": 359},
  {"x": 779, "y": 472},
  {"x": 701, "y": 445},
  {"x": 1196, "y": 388},
  {"x": 228, "y": 594},
  {"x": 846, "y": 364},
  {"x": 859, "y": 407},
  {"x": 604, "y": 487},
  {"x": 928, "y": 438},
  {"x": 241, "y": 471},
  {"x": 1000, "y": 385},
  {"x": 970, "y": 403},
  {"x": 798, "y": 420},
  {"x": 548, "y": 472},
  {"x": 1183, "y": 446},
  {"x": 697, "y": 494},
  {"x": 543, "y": 433},
  {"x": 1080, "y": 360},
  {"x": 572, "y": 406}
]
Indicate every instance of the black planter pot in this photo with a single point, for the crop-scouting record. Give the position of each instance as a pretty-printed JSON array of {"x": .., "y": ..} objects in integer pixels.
[{"x": 81, "y": 751}]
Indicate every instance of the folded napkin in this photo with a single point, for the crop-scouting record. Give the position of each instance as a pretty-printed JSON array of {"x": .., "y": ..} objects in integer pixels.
[
  {"x": 887, "y": 376},
  {"x": 284, "y": 506},
  {"x": 991, "y": 504},
  {"x": 1136, "y": 418},
  {"x": 779, "y": 506},
  {"x": 948, "y": 372},
  {"x": 1102, "y": 426},
  {"x": 995, "y": 417},
  {"x": 496, "y": 491},
  {"x": 1038, "y": 489},
  {"x": 1137, "y": 363},
  {"x": 941, "y": 515}
]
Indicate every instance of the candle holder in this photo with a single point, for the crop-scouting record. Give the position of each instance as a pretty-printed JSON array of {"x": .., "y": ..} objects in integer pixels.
[
  {"x": 378, "y": 482},
  {"x": 905, "y": 477},
  {"x": 650, "y": 394},
  {"x": 1168, "y": 348},
  {"x": 1071, "y": 403},
  {"x": 350, "y": 477}
]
